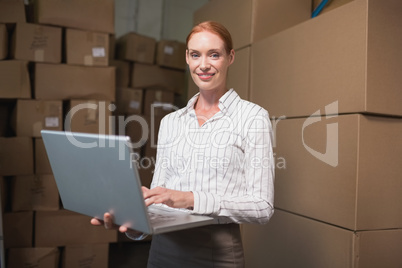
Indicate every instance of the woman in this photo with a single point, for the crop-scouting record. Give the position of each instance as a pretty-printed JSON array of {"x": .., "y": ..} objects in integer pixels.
[{"x": 214, "y": 158}]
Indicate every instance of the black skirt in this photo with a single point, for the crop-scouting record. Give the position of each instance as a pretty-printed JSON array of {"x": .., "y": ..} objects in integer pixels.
[{"x": 217, "y": 245}]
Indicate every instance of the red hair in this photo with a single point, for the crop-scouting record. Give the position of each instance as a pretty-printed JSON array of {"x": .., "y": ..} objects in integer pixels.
[{"x": 215, "y": 28}]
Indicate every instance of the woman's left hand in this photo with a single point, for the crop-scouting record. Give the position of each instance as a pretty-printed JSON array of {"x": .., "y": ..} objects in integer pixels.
[{"x": 171, "y": 198}]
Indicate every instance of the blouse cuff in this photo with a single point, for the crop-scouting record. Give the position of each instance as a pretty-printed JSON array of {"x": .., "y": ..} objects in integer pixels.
[{"x": 206, "y": 203}]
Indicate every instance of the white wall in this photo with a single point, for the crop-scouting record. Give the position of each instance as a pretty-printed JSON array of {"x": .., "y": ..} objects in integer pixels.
[
  {"x": 160, "y": 19},
  {"x": 178, "y": 18},
  {"x": 125, "y": 16},
  {"x": 149, "y": 17}
]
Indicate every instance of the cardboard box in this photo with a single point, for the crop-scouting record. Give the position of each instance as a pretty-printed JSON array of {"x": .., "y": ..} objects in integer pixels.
[
  {"x": 137, "y": 127},
  {"x": 146, "y": 167},
  {"x": 239, "y": 73},
  {"x": 129, "y": 101},
  {"x": 87, "y": 48},
  {"x": 158, "y": 102},
  {"x": 123, "y": 72},
  {"x": 34, "y": 192},
  {"x": 18, "y": 229},
  {"x": 150, "y": 148},
  {"x": 171, "y": 54},
  {"x": 290, "y": 240},
  {"x": 344, "y": 55},
  {"x": 330, "y": 5},
  {"x": 42, "y": 164},
  {"x": 328, "y": 168},
  {"x": 92, "y": 15},
  {"x": 89, "y": 116},
  {"x": 14, "y": 80},
  {"x": 252, "y": 20},
  {"x": 136, "y": 47},
  {"x": 144, "y": 76},
  {"x": 144, "y": 133},
  {"x": 142, "y": 129},
  {"x": 33, "y": 257},
  {"x": 16, "y": 156},
  {"x": 34, "y": 42},
  {"x": 31, "y": 116},
  {"x": 12, "y": 11},
  {"x": 63, "y": 82},
  {"x": 3, "y": 42},
  {"x": 64, "y": 228},
  {"x": 96, "y": 255}
]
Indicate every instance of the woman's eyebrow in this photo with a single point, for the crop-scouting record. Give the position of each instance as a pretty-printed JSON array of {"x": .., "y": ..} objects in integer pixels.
[
  {"x": 214, "y": 50},
  {"x": 209, "y": 51}
]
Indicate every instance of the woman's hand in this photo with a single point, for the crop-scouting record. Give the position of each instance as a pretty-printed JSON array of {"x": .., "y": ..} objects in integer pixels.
[
  {"x": 108, "y": 220},
  {"x": 171, "y": 198},
  {"x": 108, "y": 223}
]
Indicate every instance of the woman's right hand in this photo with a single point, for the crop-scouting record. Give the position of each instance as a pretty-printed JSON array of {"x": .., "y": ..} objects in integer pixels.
[{"x": 108, "y": 223}]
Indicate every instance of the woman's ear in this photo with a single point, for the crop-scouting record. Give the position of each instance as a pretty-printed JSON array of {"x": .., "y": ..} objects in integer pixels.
[{"x": 231, "y": 56}]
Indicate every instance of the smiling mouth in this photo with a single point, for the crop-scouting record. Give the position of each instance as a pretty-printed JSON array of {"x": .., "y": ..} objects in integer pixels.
[{"x": 205, "y": 76}]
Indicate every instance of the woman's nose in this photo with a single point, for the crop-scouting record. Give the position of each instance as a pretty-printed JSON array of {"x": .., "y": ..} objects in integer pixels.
[{"x": 204, "y": 63}]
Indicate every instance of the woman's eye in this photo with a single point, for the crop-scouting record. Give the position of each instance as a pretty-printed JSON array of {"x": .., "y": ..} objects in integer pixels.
[
  {"x": 215, "y": 55},
  {"x": 194, "y": 56}
]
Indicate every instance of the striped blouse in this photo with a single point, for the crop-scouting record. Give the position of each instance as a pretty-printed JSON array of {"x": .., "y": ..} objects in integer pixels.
[{"x": 227, "y": 162}]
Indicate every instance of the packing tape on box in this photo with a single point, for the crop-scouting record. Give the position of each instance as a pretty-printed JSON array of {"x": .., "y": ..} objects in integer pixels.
[
  {"x": 38, "y": 186},
  {"x": 88, "y": 60},
  {"x": 158, "y": 95},
  {"x": 92, "y": 114},
  {"x": 39, "y": 55},
  {"x": 36, "y": 128},
  {"x": 40, "y": 107}
]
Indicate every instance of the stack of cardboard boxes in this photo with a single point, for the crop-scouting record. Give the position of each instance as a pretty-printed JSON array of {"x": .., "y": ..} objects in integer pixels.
[
  {"x": 53, "y": 66},
  {"x": 332, "y": 86},
  {"x": 59, "y": 71},
  {"x": 150, "y": 77},
  {"x": 333, "y": 92},
  {"x": 250, "y": 21}
]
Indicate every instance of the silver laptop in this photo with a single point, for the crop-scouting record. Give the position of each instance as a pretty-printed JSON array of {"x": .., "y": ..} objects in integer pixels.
[{"x": 96, "y": 173}]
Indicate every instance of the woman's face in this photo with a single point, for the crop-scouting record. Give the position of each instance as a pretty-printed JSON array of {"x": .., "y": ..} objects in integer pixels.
[{"x": 208, "y": 61}]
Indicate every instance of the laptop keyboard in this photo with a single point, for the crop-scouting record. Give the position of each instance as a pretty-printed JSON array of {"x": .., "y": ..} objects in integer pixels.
[{"x": 157, "y": 218}]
